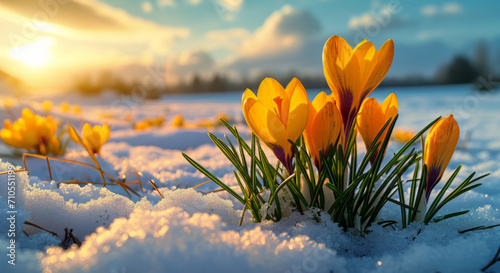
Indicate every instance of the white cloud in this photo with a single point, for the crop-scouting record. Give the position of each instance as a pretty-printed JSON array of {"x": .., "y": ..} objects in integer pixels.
[
  {"x": 188, "y": 63},
  {"x": 232, "y": 5},
  {"x": 284, "y": 30},
  {"x": 447, "y": 8},
  {"x": 452, "y": 8},
  {"x": 194, "y": 2},
  {"x": 227, "y": 9},
  {"x": 429, "y": 10},
  {"x": 228, "y": 38},
  {"x": 166, "y": 3},
  {"x": 147, "y": 7},
  {"x": 428, "y": 34},
  {"x": 89, "y": 19},
  {"x": 385, "y": 16},
  {"x": 289, "y": 39}
]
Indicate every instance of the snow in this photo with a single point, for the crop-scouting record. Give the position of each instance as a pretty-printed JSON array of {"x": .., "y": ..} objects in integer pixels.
[{"x": 191, "y": 231}]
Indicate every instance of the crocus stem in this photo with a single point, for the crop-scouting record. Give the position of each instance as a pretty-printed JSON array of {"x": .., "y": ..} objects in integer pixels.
[{"x": 422, "y": 209}]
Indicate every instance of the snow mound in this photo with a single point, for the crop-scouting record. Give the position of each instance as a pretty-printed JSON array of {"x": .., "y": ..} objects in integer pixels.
[{"x": 174, "y": 240}]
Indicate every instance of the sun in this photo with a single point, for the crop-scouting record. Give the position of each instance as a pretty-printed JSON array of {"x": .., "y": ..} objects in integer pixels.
[{"x": 34, "y": 54}]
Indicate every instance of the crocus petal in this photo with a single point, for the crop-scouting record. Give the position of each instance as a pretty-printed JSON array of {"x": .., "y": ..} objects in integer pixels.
[
  {"x": 384, "y": 60},
  {"x": 371, "y": 120},
  {"x": 74, "y": 137},
  {"x": 299, "y": 109},
  {"x": 275, "y": 98},
  {"x": 320, "y": 100},
  {"x": 365, "y": 53},
  {"x": 323, "y": 127},
  {"x": 264, "y": 123},
  {"x": 390, "y": 105},
  {"x": 8, "y": 137},
  {"x": 440, "y": 145},
  {"x": 104, "y": 131}
]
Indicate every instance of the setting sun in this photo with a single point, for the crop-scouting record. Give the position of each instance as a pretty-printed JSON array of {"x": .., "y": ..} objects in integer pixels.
[{"x": 34, "y": 54}]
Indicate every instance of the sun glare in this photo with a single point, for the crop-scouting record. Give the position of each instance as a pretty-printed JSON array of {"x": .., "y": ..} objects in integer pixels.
[{"x": 34, "y": 54}]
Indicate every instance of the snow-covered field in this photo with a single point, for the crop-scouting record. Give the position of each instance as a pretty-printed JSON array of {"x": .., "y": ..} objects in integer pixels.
[{"x": 189, "y": 231}]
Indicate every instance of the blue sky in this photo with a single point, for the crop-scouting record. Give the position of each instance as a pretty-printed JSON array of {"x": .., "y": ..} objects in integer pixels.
[{"x": 236, "y": 37}]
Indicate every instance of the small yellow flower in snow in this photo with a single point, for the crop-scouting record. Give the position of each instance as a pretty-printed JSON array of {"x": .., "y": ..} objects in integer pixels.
[
  {"x": 64, "y": 106},
  {"x": 93, "y": 137},
  {"x": 47, "y": 105},
  {"x": 33, "y": 133},
  {"x": 178, "y": 121},
  {"x": 77, "y": 109},
  {"x": 8, "y": 103}
]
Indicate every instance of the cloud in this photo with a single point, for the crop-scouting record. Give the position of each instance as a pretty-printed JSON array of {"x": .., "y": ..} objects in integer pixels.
[
  {"x": 85, "y": 19},
  {"x": 147, "y": 7},
  {"x": 452, "y": 8},
  {"x": 384, "y": 17},
  {"x": 166, "y": 3},
  {"x": 449, "y": 8},
  {"x": 227, "y": 9},
  {"x": 190, "y": 62},
  {"x": 285, "y": 30},
  {"x": 230, "y": 5},
  {"x": 429, "y": 10},
  {"x": 194, "y": 2},
  {"x": 228, "y": 39},
  {"x": 283, "y": 43}
]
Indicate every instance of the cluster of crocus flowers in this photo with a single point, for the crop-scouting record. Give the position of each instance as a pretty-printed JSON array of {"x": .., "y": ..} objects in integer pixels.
[
  {"x": 33, "y": 133},
  {"x": 212, "y": 122},
  {"x": 149, "y": 122},
  {"x": 277, "y": 115},
  {"x": 440, "y": 145},
  {"x": 352, "y": 74},
  {"x": 67, "y": 107},
  {"x": 93, "y": 137},
  {"x": 372, "y": 117},
  {"x": 324, "y": 127},
  {"x": 318, "y": 141}
]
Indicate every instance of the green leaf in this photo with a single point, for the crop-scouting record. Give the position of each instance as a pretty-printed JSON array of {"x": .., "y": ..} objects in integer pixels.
[
  {"x": 451, "y": 215},
  {"x": 213, "y": 178}
]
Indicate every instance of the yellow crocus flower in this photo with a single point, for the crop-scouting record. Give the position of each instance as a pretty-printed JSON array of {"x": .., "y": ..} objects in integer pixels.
[
  {"x": 77, "y": 109},
  {"x": 32, "y": 132},
  {"x": 142, "y": 125},
  {"x": 178, "y": 121},
  {"x": 47, "y": 105},
  {"x": 8, "y": 103},
  {"x": 65, "y": 106},
  {"x": 371, "y": 119},
  {"x": 324, "y": 126},
  {"x": 440, "y": 144},
  {"x": 93, "y": 137},
  {"x": 352, "y": 74},
  {"x": 277, "y": 115}
]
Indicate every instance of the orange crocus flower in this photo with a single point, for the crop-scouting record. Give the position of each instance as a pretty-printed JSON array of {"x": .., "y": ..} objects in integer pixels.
[
  {"x": 277, "y": 115},
  {"x": 352, "y": 74}
]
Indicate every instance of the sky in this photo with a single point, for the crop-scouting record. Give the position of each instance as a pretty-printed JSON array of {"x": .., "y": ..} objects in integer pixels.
[{"x": 48, "y": 43}]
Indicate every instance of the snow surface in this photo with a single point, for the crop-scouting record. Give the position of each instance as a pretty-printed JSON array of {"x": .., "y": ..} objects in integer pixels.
[{"x": 190, "y": 231}]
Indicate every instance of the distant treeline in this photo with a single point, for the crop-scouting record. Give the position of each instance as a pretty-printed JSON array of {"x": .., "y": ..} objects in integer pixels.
[{"x": 459, "y": 70}]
